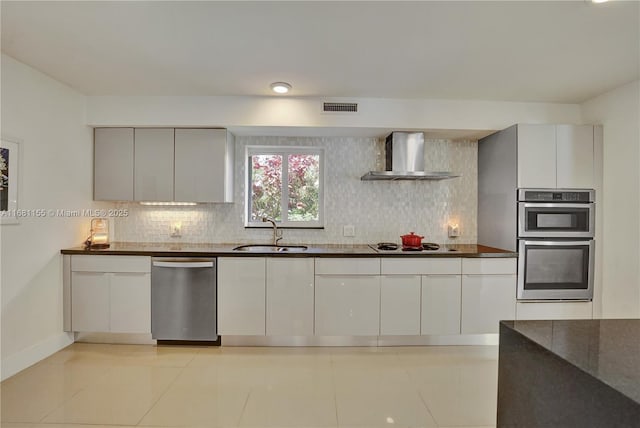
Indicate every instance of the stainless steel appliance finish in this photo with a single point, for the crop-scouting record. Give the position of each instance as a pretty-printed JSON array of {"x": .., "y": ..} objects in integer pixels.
[
  {"x": 555, "y": 244},
  {"x": 549, "y": 220},
  {"x": 556, "y": 213},
  {"x": 557, "y": 195},
  {"x": 404, "y": 159},
  {"x": 404, "y": 152},
  {"x": 183, "y": 299},
  {"x": 555, "y": 269}
]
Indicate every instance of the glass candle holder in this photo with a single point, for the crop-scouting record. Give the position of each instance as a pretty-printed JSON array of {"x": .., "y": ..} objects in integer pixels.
[{"x": 99, "y": 233}]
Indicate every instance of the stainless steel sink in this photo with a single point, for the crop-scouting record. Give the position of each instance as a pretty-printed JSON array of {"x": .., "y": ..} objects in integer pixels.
[{"x": 261, "y": 248}]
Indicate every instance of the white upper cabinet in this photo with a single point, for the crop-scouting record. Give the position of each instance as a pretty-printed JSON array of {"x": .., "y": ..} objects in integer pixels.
[
  {"x": 203, "y": 165},
  {"x": 556, "y": 156},
  {"x": 113, "y": 164},
  {"x": 163, "y": 165},
  {"x": 153, "y": 172},
  {"x": 537, "y": 156},
  {"x": 575, "y": 154}
]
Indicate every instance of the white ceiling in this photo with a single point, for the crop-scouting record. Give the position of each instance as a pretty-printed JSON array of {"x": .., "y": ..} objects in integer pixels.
[{"x": 557, "y": 51}]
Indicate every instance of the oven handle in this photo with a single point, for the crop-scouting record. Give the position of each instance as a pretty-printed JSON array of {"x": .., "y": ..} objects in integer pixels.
[
  {"x": 588, "y": 205},
  {"x": 183, "y": 264},
  {"x": 557, "y": 243},
  {"x": 553, "y": 300}
]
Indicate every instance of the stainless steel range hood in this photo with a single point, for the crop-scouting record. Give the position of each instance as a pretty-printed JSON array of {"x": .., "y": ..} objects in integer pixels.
[{"x": 404, "y": 160}]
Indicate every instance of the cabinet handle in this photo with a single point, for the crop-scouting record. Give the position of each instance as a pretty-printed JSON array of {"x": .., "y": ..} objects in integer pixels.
[{"x": 183, "y": 264}]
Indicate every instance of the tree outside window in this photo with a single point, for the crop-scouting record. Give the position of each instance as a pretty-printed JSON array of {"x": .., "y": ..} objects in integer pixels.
[{"x": 286, "y": 185}]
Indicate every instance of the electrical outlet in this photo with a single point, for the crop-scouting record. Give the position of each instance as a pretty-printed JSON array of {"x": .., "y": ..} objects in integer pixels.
[
  {"x": 454, "y": 231},
  {"x": 176, "y": 230},
  {"x": 349, "y": 231}
]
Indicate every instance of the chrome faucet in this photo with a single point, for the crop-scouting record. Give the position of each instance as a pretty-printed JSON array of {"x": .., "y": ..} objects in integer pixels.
[{"x": 277, "y": 234}]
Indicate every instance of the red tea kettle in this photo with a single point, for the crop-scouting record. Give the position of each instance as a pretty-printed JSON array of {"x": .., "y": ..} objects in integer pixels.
[{"x": 411, "y": 240}]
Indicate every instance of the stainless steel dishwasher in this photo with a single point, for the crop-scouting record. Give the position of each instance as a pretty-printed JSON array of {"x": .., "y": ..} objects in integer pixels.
[{"x": 183, "y": 299}]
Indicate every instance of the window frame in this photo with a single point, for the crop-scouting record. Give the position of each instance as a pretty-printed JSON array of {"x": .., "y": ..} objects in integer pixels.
[{"x": 284, "y": 151}]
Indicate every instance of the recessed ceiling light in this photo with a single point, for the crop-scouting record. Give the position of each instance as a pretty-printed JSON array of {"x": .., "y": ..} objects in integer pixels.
[
  {"x": 280, "y": 87},
  {"x": 599, "y": 1}
]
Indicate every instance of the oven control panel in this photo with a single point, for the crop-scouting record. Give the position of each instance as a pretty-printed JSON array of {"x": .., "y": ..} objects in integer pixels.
[{"x": 555, "y": 195}]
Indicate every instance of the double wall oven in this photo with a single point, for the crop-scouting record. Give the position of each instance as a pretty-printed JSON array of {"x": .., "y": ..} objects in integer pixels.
[{"x": 555, "y": 244}]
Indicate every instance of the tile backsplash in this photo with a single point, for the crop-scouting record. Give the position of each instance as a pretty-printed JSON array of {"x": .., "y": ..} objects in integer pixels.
[{"x": 379, "y": 210}]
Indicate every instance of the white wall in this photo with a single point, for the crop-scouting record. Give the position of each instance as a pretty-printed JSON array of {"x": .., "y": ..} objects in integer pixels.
[
  {"x": 619, "y": 113},
  {"x": 55, "y": 173},
  {"x": 398, "y": 114}
]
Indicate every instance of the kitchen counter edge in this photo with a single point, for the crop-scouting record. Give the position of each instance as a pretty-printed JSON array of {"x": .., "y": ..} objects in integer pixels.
[{"x": 226, "y": 250}]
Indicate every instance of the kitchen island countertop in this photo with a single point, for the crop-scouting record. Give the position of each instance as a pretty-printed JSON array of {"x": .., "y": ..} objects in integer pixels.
[
  {"x": 314, "y": 250},
  {"x": 569, "y": 373}
]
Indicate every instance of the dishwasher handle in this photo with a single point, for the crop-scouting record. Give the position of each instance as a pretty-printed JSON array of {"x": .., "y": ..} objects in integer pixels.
[{"x": 183, "y": 264}]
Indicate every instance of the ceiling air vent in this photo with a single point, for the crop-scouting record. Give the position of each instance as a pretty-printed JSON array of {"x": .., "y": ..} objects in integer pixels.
[{"x": 340, "y": 107}]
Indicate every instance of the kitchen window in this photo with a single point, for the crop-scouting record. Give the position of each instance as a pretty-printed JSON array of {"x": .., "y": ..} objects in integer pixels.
[{"x": 285, "y": 184}]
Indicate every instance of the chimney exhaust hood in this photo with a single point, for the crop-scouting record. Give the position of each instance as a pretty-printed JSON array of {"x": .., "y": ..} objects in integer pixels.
[{"x": 404, "y": 159}]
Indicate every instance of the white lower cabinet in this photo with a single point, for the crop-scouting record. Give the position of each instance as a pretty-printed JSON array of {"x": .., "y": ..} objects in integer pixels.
[
  {"x": 241, "y": 295},
  {"x": 111, "y": 294},
  {"x": 282, "y": 296},
  {"x": 90, "y": 301},
  {"x": 554, "y": 310},
  {"x": 441, "y": 299},
  {"x": 487, "y": 299},
  {"x": 290, "y": 296},
  {"x": 130, "y": 297},
  {"x": 400, "y": 305},
  {"x": 347, "y": 305},
  {"x": 488, "y": 294}
]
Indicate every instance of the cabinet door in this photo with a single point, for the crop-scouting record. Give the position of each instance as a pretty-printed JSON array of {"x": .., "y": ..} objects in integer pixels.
[
  {"x": 575, "y": 165},
  {"x": 241, "y": 296},
  {"x": 113, "y": 164},
  {"x": 290, "y": 297},
  {"x": 153, "y": 173},
  {"x": 347, "y": 305},
  {"x": 537, "y": 156},
  {"x": 487, "y": 299},
  {"x": 90, "y": 301},
  {"x": 130, "y": 302},
  {"x": 200, "y": 156},
  {"x": 400, "y": 305},
  {"x": 441, "y": 296}
]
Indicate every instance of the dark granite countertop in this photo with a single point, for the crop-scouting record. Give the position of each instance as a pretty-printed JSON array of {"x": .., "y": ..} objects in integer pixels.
[
  {"x": 608, "y": 349},
  {"x": 314, "y": 250}
]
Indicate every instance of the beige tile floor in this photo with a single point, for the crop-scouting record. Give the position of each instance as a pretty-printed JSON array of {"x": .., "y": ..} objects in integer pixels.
[{"x": 94, "y": 386}]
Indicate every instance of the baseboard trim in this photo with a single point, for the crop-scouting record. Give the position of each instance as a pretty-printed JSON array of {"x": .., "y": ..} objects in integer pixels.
[
  {"x": 460, "y": 339},
  {"x": 27, "y": 357},
  {"x": 116, "y": 338}
]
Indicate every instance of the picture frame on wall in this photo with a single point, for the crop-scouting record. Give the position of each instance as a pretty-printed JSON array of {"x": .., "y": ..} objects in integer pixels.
[{"x": 9, "y": 168}]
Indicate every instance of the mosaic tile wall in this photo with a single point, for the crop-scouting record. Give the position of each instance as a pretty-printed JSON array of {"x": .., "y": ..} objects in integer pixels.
[{"x": 379, "y": 210}]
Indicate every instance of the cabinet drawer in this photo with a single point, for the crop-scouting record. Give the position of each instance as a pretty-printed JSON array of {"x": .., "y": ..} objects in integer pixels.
[
  {"x": 421, "y": 266},
  {"x": 88, "y": 263},
  {"x": 489, "y": 266},
  {"x": 348, "y": 266},
  {"x": 554, "y": 310}
]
